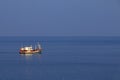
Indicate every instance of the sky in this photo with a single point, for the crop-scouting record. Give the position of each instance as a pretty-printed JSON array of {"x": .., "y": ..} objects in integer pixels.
[{"x": 59, "y": 18}]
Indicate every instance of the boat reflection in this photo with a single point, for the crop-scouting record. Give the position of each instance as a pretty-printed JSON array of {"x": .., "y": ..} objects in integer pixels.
[
  {"x": 38, "y": 54},
  {"x": 30, "y": 57},
  {"x": 26, "y": 54}
]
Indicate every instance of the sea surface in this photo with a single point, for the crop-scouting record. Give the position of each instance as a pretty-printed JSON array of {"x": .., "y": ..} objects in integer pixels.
[{"x": 62, "y": 58}]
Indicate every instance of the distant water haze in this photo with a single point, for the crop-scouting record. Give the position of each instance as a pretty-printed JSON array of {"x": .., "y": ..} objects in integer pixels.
[{"x": 59, "y": 18}]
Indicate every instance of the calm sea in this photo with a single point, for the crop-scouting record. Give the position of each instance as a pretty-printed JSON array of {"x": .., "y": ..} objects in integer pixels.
[{"x": 62, "y": 58}]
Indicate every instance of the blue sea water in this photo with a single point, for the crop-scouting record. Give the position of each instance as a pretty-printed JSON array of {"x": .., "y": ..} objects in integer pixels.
[{"x": 62, "y": 58}]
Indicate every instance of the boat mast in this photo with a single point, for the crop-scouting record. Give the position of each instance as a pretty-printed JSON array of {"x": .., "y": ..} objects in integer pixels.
[
  {"x": 39, "y": 46},
  {"x": 35, "y": 47}
]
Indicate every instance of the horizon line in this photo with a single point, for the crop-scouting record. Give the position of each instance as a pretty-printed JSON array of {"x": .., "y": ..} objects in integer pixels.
[{"x": 64, "y": 36}]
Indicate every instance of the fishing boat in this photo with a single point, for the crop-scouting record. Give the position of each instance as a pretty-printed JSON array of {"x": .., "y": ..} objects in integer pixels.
[{"x": 30, "y": 49}]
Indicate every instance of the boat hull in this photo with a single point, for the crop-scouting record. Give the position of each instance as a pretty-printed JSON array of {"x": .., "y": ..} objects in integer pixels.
[{"x": 30, "y": 52}]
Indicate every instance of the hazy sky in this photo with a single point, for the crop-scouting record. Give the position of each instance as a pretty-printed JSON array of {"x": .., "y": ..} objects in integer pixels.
[{"x": 59, "y": 18}]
